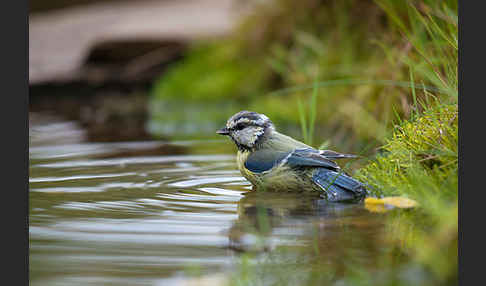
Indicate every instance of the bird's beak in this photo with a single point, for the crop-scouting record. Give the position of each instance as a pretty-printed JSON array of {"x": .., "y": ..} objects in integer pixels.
[{"x": 223, "y": 131}]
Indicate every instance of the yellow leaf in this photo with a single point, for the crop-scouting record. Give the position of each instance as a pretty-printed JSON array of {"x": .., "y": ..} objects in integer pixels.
[{"x": 387, "y": 203}]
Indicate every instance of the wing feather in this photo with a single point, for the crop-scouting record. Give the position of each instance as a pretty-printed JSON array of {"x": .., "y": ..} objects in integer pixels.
[
  {"x": 264, "y": 160},
  {"x": 310, "y": 158},
  {"x": 339, "y": 186}
]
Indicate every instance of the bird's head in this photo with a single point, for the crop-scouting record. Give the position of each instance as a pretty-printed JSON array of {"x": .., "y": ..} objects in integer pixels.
[{"x": 247, "y": 129}]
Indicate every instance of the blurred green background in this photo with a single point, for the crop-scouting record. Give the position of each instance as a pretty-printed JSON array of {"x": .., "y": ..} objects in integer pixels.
[{"x": 375, "y": 78}]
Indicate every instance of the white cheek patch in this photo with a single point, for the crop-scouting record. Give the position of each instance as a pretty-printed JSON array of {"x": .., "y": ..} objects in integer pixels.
[{"x": 249, "y": 135}]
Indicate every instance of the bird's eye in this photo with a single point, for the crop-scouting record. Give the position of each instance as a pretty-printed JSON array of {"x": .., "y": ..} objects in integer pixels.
[{"x": 239, "y": 126}]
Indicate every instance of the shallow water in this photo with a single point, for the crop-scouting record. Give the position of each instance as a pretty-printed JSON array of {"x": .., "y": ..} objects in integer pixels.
[{"x": 152, "y": 213}]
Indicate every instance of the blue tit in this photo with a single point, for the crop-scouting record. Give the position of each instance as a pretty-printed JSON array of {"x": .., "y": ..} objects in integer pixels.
[{"x": 273, "y": 161}]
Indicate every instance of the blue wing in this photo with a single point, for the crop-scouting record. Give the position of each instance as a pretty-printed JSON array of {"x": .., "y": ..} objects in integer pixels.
[
  {"x": 264, "y": 160},
  {"x": 310, "y": 158},
  {"x": 338, "y": 186}
]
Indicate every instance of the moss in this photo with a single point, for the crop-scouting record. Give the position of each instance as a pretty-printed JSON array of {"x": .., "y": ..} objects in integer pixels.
[{"x": 428, "y": 143}]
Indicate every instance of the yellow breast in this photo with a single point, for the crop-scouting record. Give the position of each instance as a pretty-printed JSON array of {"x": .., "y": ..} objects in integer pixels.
[{"x": 240, "y": 162}]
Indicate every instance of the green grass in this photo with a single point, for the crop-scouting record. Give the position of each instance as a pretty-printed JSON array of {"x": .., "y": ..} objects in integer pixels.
[
  {"x": 286, "y": 53},
  {"x": 308, "y": 129},
  {"x": 428, "y": 143},
  {"x": 269, "y": 65}
]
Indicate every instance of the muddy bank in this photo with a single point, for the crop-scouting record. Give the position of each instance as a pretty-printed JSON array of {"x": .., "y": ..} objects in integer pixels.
[
  {"x": 93, "y": 62},
  {"x": 147, "y": 33}
]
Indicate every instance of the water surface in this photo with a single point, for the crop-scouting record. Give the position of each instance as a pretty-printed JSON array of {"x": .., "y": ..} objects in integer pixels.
[{"x": 155, "y": 212}]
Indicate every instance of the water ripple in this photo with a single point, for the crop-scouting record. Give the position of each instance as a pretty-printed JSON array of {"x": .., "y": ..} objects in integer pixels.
[{"x": 134, "y": 161}]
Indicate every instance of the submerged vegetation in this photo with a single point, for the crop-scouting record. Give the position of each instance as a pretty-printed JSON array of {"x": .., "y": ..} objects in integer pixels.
[{"x": 360, "y": 74}]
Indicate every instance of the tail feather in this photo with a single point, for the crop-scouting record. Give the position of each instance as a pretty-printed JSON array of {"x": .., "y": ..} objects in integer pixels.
[{"x": 338, "y": 186}]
